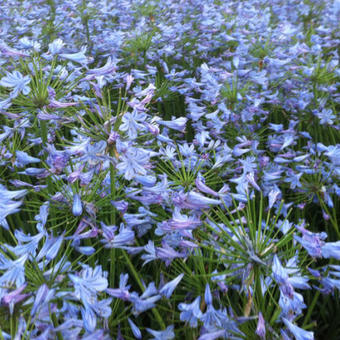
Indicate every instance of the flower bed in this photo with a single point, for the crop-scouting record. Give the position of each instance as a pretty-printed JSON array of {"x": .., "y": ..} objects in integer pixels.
[{"x": 169, "y": 169}]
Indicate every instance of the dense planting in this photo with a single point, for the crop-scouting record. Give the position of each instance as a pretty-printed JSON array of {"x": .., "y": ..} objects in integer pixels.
[{"x": 169, "y": 169}]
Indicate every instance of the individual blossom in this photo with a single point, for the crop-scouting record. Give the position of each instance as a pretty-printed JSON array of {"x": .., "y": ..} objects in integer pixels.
[
  {"x": 107, "y": 69},
  {"x": 175, "y": 124},
  {"x": 133, "y": 162},
  {"x": 131, "y": 123},
  {"x": 286, "y": 282},
  {"x": 43, "y": 296},
  {"x": 10, "y": 299},
  {"x": 78, "y": 57},
  {"x": 326, "y": 116},
  {"x": 167, "y": 334},
  {"x": 18, "y": 82},
  {"x": 123, "y": 291},
  {"x": 13, "y": 271},
  {"x": 77, "y": 207},
  {"x": 299, "y": 333},
  {"x": 169, "y": 287},
  {"x": 55, "y": 46},
  {"x": 312, "y": 242},
  {"x": 191, "y": 312},
  {"x": 88, "y": 283},
  {"x": 135, "y": 330},
  {"x": 261, "y": 328},
  {"x": 146, "y": 301},
  {"x": 8, "y": 205},
  {"x": 123, "y": 238},
  {"x": 22, "y": 159}
]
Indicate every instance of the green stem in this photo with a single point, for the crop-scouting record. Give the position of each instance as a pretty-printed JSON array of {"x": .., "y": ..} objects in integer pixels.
[
  {"x": 310, "y": 308},
  {"x": 55, "y": 323},
  {"x": 12, "y": 326},
  {"x": 113, "y": 220},
  {"x": 332, "y": 218},
  {"x": 43, "y": 126}
]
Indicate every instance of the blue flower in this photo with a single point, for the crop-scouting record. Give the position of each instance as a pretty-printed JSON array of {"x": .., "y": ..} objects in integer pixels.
[
  {"x": 78, "y": 57},
  {"x": 50, "y": 248},
  {"x": 123, "y": 291},
  {"x": 133, "y": 163},
  {"x": 43, "y": 296},
  {"x": 331, "y": 249},
  {"x": 135, "y": 330},
  {"x": 299, "y": 333},
  {"x": 167, "y": 334},
  {"x": 326, "y": 116},
  {"x": 22, "y": 159},
  {"x": 88, "y": 283},
  {"x": 18, "y": 82},
  {"x": 145, "y": 301},
  {"x": 175, "y": 124},
  {"x": 77, "y": 208},
  {"x": 130, "y": 123},
  {"x": 168, "y": 288},
  {"x": 125, "y": 236},
  {"x": 10, "y": 299},
  {"x": 286, "y": 283},
  {"x": 14, "y": 271},
  {"x": 191, "y": 312},
  {"x": 55, "y": 46},
  {"x": 261, "y": 327}
]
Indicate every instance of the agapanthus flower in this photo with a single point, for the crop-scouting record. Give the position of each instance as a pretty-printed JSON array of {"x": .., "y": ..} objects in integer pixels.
[
  {"x": 50, "y": 248},
  {"x": 146, "y": 301},
  {"x": 55, "y": 46},
  {"x": 131, "y": 123},
  {"x": 78, "y": 57},
  {"x": 123, "y": 238},
  {"x": 123, "y": 291},
  {"x": 299, "y": 333},
  {"x": 133, "y": 162},
  {"x": 77, "y": 207},
  {"x": 281, "y": 276},
  {"x": 194, "y": 200},
  {"x": 326, "y": 116},
  {"x": 11, "y": 52},
  {"x": 22, "y": 159},
  {"x": 261, "y": 328},
  {"x": 175, "y": 124},
  {"x": 312, "y": 242},
  {"x": 18, "y": 82},
  {"x": 13, "y": 271},
  {"x": 88, "y": 283},
  {"x": 167, "y": 334},
  {"x": 43, "y": 296},
  {"x": 15, "y": 296},
  {"x": 135, "y": 330},
  {"x": 169, "y": 287},
  {"x": 191, "y": 312},
  {"x": 7, "y": 204}
]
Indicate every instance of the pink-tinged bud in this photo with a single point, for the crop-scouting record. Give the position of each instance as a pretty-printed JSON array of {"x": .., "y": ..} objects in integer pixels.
[
  {"x": 325, "y": 216},
  {"x": 261, "y": 328},
  {"x": 113, "y": 137},
  {"x": 129, "y": 80},
  {"x": 204, "y": 188},
  {"x": 153, "y": 128},
  {"x": 56, "y": 104},
  {"x": 13, "y": 297}
]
